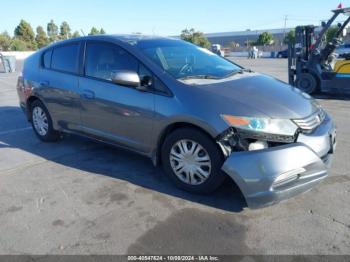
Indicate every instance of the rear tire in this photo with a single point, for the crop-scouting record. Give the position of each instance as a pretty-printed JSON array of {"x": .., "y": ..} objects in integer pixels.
[
  {"x": 307, "y": 83},
  {"x": 42, "y": 123},
  {"x": 197, "y": 172}
]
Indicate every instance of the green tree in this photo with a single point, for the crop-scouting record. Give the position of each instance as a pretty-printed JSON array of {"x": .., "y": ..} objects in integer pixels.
[
  {"x": 102, "y": 31},
  {"x": 94, "y": 31},
  {"x": 65, "y": 31},
  {"x": 265, "y": 38},
  {"x": 41, "y": 38},
  {"x": 52, "y": 31},
  {"x": 24, "y": 32},
  {"x": 75, "y": 34},
  {"x": 18, "y": 45},
  {"x": 331, "y": 33},
  {"x": 195, "y": 37},
  {"x": 290, "y": 37},
  {"x": 5, "y": 41}
]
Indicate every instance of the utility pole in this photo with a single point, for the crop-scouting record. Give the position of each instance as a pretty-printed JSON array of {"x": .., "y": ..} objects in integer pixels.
[{"x": 285, "y": 28}]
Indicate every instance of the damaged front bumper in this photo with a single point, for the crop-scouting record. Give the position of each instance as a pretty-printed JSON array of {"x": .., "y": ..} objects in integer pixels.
[{"x": 269, "y": 176}]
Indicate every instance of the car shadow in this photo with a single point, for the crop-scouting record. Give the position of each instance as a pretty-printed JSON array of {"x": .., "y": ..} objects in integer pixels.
[{"x": 104, "y": 160}]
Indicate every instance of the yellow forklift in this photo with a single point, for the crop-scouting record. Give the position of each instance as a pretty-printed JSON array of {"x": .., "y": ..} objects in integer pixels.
[
  {"x": 313, "y": 63},
  {"x": 343, "y": 66}
]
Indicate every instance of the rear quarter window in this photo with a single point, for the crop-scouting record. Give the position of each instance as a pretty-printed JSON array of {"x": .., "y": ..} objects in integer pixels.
[
  {"x": 46, "y": 59},
  {"x": 65, "y": 58}
]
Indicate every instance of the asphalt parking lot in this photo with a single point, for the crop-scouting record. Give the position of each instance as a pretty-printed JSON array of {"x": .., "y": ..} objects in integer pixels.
[{"x": 82, "y": 197}]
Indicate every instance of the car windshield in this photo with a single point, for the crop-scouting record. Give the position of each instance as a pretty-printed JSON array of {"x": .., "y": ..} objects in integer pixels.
[{"x": 183, "y": 60}]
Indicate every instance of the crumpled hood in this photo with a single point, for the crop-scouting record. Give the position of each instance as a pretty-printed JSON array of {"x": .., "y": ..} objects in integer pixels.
[{"x": 263, "y": 93}]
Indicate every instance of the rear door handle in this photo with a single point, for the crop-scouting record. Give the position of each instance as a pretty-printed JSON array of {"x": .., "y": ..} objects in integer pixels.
[{"x": 88, "y": 94}]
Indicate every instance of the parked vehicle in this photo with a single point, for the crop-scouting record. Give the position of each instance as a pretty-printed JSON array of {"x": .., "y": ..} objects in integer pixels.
[
  {"x": 200, "y": 116},
  {"x": 216, "y": 49},
  {"x": 282, "y": 54},
  {"x": 312, "y": 63},
  {"x": 343, "y": 50}
]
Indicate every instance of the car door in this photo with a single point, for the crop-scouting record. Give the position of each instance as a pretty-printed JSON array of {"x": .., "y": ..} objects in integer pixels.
[
  {"x": 60, "y": 86},
  {"x": 116, "y": 113}
]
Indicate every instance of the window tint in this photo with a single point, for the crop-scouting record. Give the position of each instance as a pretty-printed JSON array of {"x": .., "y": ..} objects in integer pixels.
[
  {"x": 159, "y": 86},
  {"x": 143, "y": 71},
  {"x": 181, "y": 60},
  {"x": 102, "y": 59},
  {"x": 65, "y": 58},
  {"x": 47, "y": 59}
]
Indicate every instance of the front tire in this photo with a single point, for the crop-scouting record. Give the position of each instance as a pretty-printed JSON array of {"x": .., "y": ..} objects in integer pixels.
[
  {"x": 307, "y": 83},
  {"x": 193, "y": 161},
  {"x": 42, "y": 123}
]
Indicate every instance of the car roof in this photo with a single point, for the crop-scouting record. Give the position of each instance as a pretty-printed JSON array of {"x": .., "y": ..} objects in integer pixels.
[{"x": 132, "y": 39}]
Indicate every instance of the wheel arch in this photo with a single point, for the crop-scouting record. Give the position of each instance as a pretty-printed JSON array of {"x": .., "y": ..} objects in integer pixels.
[
  {"x": 312, "y": 72},
  {"x": 29, "y": 103},
  {"x": 171, "y": 128}
]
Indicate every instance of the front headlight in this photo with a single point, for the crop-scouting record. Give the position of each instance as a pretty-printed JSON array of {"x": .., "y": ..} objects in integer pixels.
[{"x": 266, "y": 126}]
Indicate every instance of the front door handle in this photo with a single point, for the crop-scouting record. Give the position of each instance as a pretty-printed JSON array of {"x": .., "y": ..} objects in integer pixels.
[{"x": 88, "y": 94}]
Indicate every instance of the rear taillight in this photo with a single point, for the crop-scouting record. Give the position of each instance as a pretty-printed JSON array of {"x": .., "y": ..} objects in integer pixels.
[{"x": 20, "y": 82}]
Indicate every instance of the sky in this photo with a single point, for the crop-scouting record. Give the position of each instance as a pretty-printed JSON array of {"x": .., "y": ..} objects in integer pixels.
[{"x": 167, "y": 17}]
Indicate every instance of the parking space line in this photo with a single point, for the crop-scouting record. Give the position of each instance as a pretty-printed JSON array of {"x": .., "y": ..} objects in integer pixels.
[{"x": 15, "y": 130}]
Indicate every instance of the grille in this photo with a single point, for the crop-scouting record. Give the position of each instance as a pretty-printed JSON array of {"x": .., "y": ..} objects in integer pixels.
[{"x": 310, "y": 123}]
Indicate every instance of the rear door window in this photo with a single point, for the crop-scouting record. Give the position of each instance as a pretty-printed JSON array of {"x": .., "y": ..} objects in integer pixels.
[{"x": 65, "y": 58}]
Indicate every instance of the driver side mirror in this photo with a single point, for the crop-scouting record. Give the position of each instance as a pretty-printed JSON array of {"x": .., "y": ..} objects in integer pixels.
[
  {"x": 146, "y": 81},
  {"x": 126, "y": 78}
]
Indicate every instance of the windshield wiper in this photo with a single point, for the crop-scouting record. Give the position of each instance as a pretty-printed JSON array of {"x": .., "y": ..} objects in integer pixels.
[
  {"x": 239, "y": 71},
  {"x": 235, "y": 72},
  {"x": 198, "y": 77}
]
